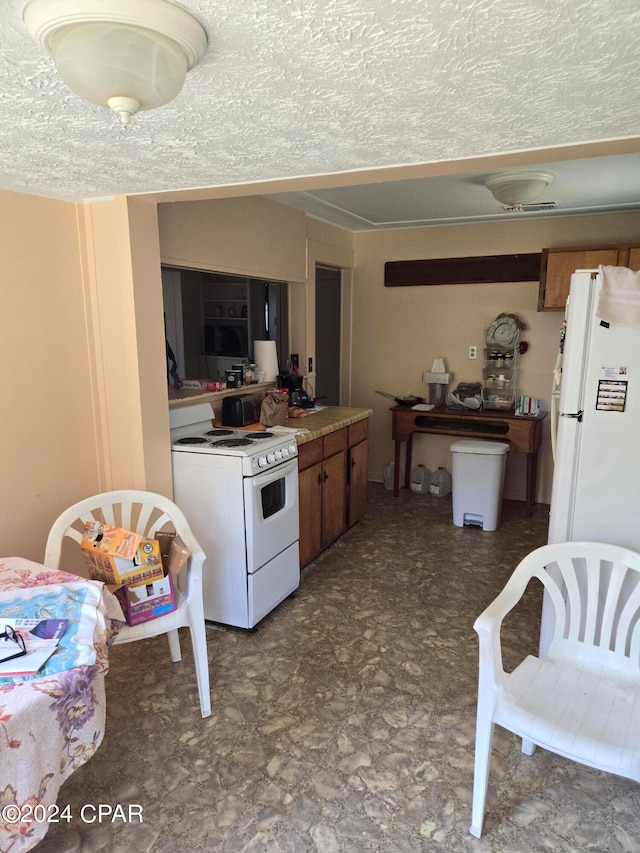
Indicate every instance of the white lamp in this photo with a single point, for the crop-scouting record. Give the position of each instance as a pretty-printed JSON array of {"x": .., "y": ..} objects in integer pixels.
[
  {"x": 120, "y": 54},
  {"x": 517, "y": 188}
]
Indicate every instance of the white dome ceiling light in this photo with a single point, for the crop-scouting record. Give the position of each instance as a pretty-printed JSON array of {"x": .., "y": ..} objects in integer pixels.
[
  {"x": 514, "y": 190},
  {"x": 127, "y": 56}
]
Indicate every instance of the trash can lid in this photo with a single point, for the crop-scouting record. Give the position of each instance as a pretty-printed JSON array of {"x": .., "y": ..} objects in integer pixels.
[{"x": 483, "y": 448}]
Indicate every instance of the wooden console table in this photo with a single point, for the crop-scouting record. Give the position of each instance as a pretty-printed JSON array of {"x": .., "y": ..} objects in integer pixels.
[{"x": 524, "y": 434}]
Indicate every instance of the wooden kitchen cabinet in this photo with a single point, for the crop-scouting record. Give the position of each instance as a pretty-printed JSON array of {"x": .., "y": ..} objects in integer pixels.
[
  {"x": 310, "y": 497},
  {"x": 322, "y": 487},
  {"x": 558, "y": 265},
  {"x": 633, "y": 261},
  {"x": 357, "y": 470},
  {"x": 333, "y": 482},
  {"x": 334, "y": 498}
]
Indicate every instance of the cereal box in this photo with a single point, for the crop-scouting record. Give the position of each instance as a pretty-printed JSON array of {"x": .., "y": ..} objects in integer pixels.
[{"x": 118, "y": 556}]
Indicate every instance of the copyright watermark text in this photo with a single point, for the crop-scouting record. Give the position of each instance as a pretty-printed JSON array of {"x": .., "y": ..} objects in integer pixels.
[{"x": 88, "y": 813}]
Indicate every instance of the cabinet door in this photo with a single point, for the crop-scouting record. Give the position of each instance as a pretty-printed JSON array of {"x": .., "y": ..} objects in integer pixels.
[
  {"x": 557, "y": 268},
  {"x": 633, "y": 261},
  {"x": 310, "y": 497},
  {"x": 358, "y": 477},
  {"x": 334, "y": 498}
]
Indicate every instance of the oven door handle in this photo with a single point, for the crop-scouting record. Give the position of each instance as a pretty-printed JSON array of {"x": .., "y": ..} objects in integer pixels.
[{"x": 275, "y": 473}]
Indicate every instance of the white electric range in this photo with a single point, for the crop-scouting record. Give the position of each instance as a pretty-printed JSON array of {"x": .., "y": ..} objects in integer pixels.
[{"x": 239, "y": 493}]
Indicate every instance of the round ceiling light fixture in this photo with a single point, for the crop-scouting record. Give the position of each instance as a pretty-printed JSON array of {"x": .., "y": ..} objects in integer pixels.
[
  {"x": 514, "y": 189},
  {"x": 127, "y": 56}
]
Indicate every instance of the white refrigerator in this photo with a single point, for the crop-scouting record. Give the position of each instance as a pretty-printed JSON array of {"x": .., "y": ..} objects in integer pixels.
[
  {"x": 596, "y": 480},
  {"x": 595, "y": 495}
]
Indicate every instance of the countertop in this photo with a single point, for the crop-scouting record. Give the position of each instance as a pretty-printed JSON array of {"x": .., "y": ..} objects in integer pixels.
[
  {"x": 191, "y": 396},
  {"x": 328, "y": 420}
]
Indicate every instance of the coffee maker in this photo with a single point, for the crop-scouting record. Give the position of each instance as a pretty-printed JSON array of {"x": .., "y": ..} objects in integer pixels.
[{"x": 293, "y": 383}]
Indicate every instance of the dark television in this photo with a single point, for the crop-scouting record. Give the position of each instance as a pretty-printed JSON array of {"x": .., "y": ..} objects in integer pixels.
[{"x": 228, "y": 339}]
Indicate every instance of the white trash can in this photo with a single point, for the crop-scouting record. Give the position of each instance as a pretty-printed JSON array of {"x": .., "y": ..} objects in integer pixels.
[{"x": 477, "y": 476}]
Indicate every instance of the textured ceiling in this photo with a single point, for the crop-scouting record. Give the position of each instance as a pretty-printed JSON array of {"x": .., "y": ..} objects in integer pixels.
[{"x": 308, "y": 87}]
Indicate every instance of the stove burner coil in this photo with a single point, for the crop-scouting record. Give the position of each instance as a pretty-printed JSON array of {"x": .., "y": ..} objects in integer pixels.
[
  {"x": 216, "y": 432},
  {"x": 258, "y": 435},
  {"x": 192, "y": 439},
  {"x": 231, "y": 442}
]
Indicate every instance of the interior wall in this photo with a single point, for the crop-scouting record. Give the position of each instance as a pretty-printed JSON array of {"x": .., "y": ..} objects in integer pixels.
[
  {"x": 86, "y": 396},
  {"x": 127, "y": 334},
  {"x": 259, "y": 238},
  {"x": 246, "y": 236},
  {"x": 399, "y": 331},
  {"x": 146, "y": 280},
  {"x": 47, "y": 425}
]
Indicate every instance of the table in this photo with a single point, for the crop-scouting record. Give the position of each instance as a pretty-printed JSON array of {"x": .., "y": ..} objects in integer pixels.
[
  {"x": 53, "y": 723},
  {"x": 523, "y": 433}
]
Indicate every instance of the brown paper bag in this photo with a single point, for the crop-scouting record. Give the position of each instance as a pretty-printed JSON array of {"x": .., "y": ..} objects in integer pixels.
[{"x": 273, "y": 411}]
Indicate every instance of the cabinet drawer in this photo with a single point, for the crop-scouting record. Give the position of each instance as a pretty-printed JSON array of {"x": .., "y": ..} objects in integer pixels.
[
  {"x": 309, "y": 453},
  {"x": 334, "y": 442},
  {"x": 358, "y": 431}
]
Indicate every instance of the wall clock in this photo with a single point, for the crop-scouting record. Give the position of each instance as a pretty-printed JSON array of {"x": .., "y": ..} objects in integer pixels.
[{"x": 503, "y": 332}]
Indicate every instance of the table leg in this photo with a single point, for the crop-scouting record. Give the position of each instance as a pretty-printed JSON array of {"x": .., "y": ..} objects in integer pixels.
[
  {"x": 407, "y": 463},
  {"x": 396, "y": 471},
  {"x": 531, "y": 487}
]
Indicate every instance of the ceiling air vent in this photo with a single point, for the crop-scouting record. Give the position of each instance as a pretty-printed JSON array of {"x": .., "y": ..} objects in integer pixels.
[{"x": 531, "y": 208}]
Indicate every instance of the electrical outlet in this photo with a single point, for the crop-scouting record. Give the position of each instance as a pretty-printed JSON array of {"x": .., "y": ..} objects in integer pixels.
[{"x": 473, "y": 352}]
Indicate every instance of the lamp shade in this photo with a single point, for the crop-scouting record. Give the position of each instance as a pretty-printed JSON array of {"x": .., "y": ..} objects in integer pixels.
[
  {"x": 104, "y": 61},
  {"x": 118, "y": 54}
]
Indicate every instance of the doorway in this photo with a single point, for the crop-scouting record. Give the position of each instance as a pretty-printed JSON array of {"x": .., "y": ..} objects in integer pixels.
[{"x": 328, "y": 337}]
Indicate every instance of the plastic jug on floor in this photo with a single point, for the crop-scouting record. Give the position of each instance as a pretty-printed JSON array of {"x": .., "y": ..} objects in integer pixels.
[
  {"x": 420, "y": 480},
  {"x": 440, "y": 485},
  {"x": 388, "y": 475}
]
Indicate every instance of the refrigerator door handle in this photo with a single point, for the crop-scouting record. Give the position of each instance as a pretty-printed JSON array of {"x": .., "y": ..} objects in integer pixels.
[{"x": 576, "y": 415}]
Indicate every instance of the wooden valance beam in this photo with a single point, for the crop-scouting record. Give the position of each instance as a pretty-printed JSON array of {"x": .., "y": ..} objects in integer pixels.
[{"x": 481, "y": 270}]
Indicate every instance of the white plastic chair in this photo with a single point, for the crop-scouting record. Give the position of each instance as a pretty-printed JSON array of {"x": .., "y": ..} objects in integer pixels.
[
  {"x": 146, "y": 513},
  {"x": 582, "y": 700}
]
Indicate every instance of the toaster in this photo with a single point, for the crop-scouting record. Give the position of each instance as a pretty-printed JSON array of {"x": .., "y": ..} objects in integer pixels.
[{"x": 240, "y": 410}]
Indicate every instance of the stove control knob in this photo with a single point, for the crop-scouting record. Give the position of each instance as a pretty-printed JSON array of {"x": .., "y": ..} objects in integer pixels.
[
  {"x": 285, "y": 452},
  {"x": 278, "y": 454},
  {"x": 262, "y": 461},
  {"x": 271, "y": 457},
  {"x": 293, "y": 449}
]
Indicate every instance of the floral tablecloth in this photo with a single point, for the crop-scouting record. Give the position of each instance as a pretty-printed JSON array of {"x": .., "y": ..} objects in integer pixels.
[{"x": 52, "y": 723}]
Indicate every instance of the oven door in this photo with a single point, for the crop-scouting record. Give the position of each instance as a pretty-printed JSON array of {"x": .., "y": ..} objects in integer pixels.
[{"x": 271, "y": 513}]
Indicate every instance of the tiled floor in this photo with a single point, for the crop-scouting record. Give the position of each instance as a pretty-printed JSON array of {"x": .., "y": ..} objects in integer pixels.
[{"x": 346, "y": 721}]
